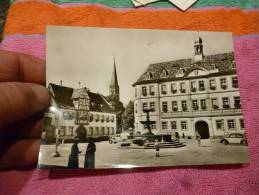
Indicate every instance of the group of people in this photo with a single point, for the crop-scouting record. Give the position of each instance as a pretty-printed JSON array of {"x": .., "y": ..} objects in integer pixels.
[{"x": 73, "y": 161}]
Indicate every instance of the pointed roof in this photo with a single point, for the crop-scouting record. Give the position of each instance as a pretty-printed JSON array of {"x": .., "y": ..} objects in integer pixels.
[
  {"x": 114, "y": 79},
  {"x": 63, "y": 97}
]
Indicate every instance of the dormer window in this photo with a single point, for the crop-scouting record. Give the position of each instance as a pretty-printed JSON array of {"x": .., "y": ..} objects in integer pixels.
[
  {"x": 213, "y": 66},
  {"x": 164, "y": 74},
  {"x": 149, "y": 75},
  {"x": 181, "y": 71}
]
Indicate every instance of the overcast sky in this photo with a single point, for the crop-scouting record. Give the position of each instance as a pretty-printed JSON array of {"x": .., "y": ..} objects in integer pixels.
[{"x": 86, "y": 54}]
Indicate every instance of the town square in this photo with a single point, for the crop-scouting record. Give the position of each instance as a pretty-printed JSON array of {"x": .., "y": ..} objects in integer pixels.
[
  {"x": 113, "y": 155},
  {"x": 184, "y": 110}
]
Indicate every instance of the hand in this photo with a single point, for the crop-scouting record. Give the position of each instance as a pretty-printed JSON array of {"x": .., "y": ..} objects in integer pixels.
[{"x": 23, "y": 98}]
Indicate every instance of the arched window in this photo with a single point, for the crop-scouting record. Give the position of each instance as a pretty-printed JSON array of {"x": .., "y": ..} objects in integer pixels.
[{"x": 164, "y": 74}]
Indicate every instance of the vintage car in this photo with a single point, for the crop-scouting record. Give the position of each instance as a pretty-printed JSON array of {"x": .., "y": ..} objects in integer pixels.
[
  {"x": 115, "y": 139},
  {"x": 233, "y": 138}
]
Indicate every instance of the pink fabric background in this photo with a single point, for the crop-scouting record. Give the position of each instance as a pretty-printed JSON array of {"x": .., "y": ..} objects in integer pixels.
[{"x": 220, "y": 179}]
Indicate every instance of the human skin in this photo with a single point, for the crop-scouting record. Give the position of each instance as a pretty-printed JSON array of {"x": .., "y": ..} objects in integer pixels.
[{"x": 23, "y": 99}]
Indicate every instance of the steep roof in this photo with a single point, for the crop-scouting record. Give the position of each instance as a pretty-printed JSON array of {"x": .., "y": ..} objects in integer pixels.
[
  {"x": 114, "y": 79},
  {"x": 223, "y": 62},
  {"x": 64, "y": 95},
  {"x": 78, "y": 92},
  {"x": 98, "y": 103}
]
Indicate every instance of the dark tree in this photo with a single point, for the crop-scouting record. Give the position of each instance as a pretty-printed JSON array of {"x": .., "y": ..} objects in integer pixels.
[
  {"x": 128, "y": 116},
  {"x": 118, "y": 108}
]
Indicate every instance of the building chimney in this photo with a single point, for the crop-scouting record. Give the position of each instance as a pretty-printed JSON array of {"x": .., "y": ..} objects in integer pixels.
[
  {"x": 79, "y": 83},
  {"x": 60, "y": 82}
]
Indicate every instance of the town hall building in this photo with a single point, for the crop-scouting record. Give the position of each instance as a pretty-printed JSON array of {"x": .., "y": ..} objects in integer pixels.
[{"x": 199, "y": 94}]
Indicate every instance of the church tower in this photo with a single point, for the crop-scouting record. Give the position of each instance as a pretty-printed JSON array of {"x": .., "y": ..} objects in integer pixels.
[
  {"x": 114, "y": 86},
  {"x": 198, "y": 50}
]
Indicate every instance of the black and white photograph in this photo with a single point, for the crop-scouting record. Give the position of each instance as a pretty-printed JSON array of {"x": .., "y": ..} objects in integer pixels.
[{"x": 125, "y": 98}]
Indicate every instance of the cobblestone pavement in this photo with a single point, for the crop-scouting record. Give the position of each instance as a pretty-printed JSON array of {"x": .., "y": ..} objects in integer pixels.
[{"x": 110, "y": 155}]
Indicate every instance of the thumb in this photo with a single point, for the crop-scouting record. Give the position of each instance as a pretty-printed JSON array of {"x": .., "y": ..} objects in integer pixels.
[{"x": 21, "y": 100}]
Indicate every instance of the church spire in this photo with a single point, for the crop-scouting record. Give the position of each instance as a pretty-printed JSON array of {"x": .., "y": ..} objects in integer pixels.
[
  {"x": 114, "y": 86},
  {"x": 114, "y": 80}
]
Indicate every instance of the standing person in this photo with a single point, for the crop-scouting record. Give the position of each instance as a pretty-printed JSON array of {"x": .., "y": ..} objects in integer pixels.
[
  {"x": 198, "y": 137},
  {"x": 73, "y": 161},
  {"x": 177, "y": 136},
  {"x": 183, "y": 136},
  {"x": 157, "y": 148},
  {"x": 90, "y": 155}
]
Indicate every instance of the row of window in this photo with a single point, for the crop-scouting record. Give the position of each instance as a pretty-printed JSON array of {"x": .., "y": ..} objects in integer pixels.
[
  {"x": 101, "y": 131},
  {"x": 83, "y": 115},
  {"x": 231, "y": 125},
  {"x": 69, "y": 131},
  {"x": 195, "y": 105},
  {"x": 102, "y": 118},
  {"x": 195, "y": 86},
  {"x": 165, "y": 72}
]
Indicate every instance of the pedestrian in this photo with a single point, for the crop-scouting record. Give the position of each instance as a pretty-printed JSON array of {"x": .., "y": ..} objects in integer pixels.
[
  {"x": 198, "y": 137},
  {"x": 157, "y": 147},
  {"x": 183, "y": 136},
  {"x": 177, "y": 136},
  {"x": 90, "y": 155},
  {"x": 73, "y": 161}
]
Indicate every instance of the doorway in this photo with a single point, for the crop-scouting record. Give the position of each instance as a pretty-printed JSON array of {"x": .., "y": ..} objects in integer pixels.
[
  {"x": 203, "y": 129},
  {"x": 81, "y": 133}
]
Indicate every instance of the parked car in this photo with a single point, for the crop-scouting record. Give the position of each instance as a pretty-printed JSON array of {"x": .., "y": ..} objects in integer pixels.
[
  {"x": 115, "y": 139},
  {"x": 125, "y": 143},
  {"x": 233, "y": 138}
]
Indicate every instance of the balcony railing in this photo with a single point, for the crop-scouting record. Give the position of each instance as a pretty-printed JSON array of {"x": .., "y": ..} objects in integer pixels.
[{"x": 192, "y": 113}]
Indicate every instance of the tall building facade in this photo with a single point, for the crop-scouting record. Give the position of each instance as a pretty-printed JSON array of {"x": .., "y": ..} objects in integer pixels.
[{"x": 187, "y": 96}]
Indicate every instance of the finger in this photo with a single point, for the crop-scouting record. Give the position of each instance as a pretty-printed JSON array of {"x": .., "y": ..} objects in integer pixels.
[
  {"x": 30, "y": 128},
  {"x": 21, "y": 67},
  {"x": 19, "y": 154},
  {"x": 21, "y": 100}
]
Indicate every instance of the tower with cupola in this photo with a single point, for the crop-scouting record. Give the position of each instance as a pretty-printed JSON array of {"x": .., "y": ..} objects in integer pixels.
[{"x": 198, "y": 50}]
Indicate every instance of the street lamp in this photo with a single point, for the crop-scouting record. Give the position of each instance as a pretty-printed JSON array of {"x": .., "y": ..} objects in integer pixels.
[
  {"x": 56, "y": 112},
  {"x": 56, "y": 153}
]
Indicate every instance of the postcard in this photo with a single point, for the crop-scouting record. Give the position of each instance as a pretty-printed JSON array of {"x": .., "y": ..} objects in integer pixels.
[{"x": 123, "y": 98}]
